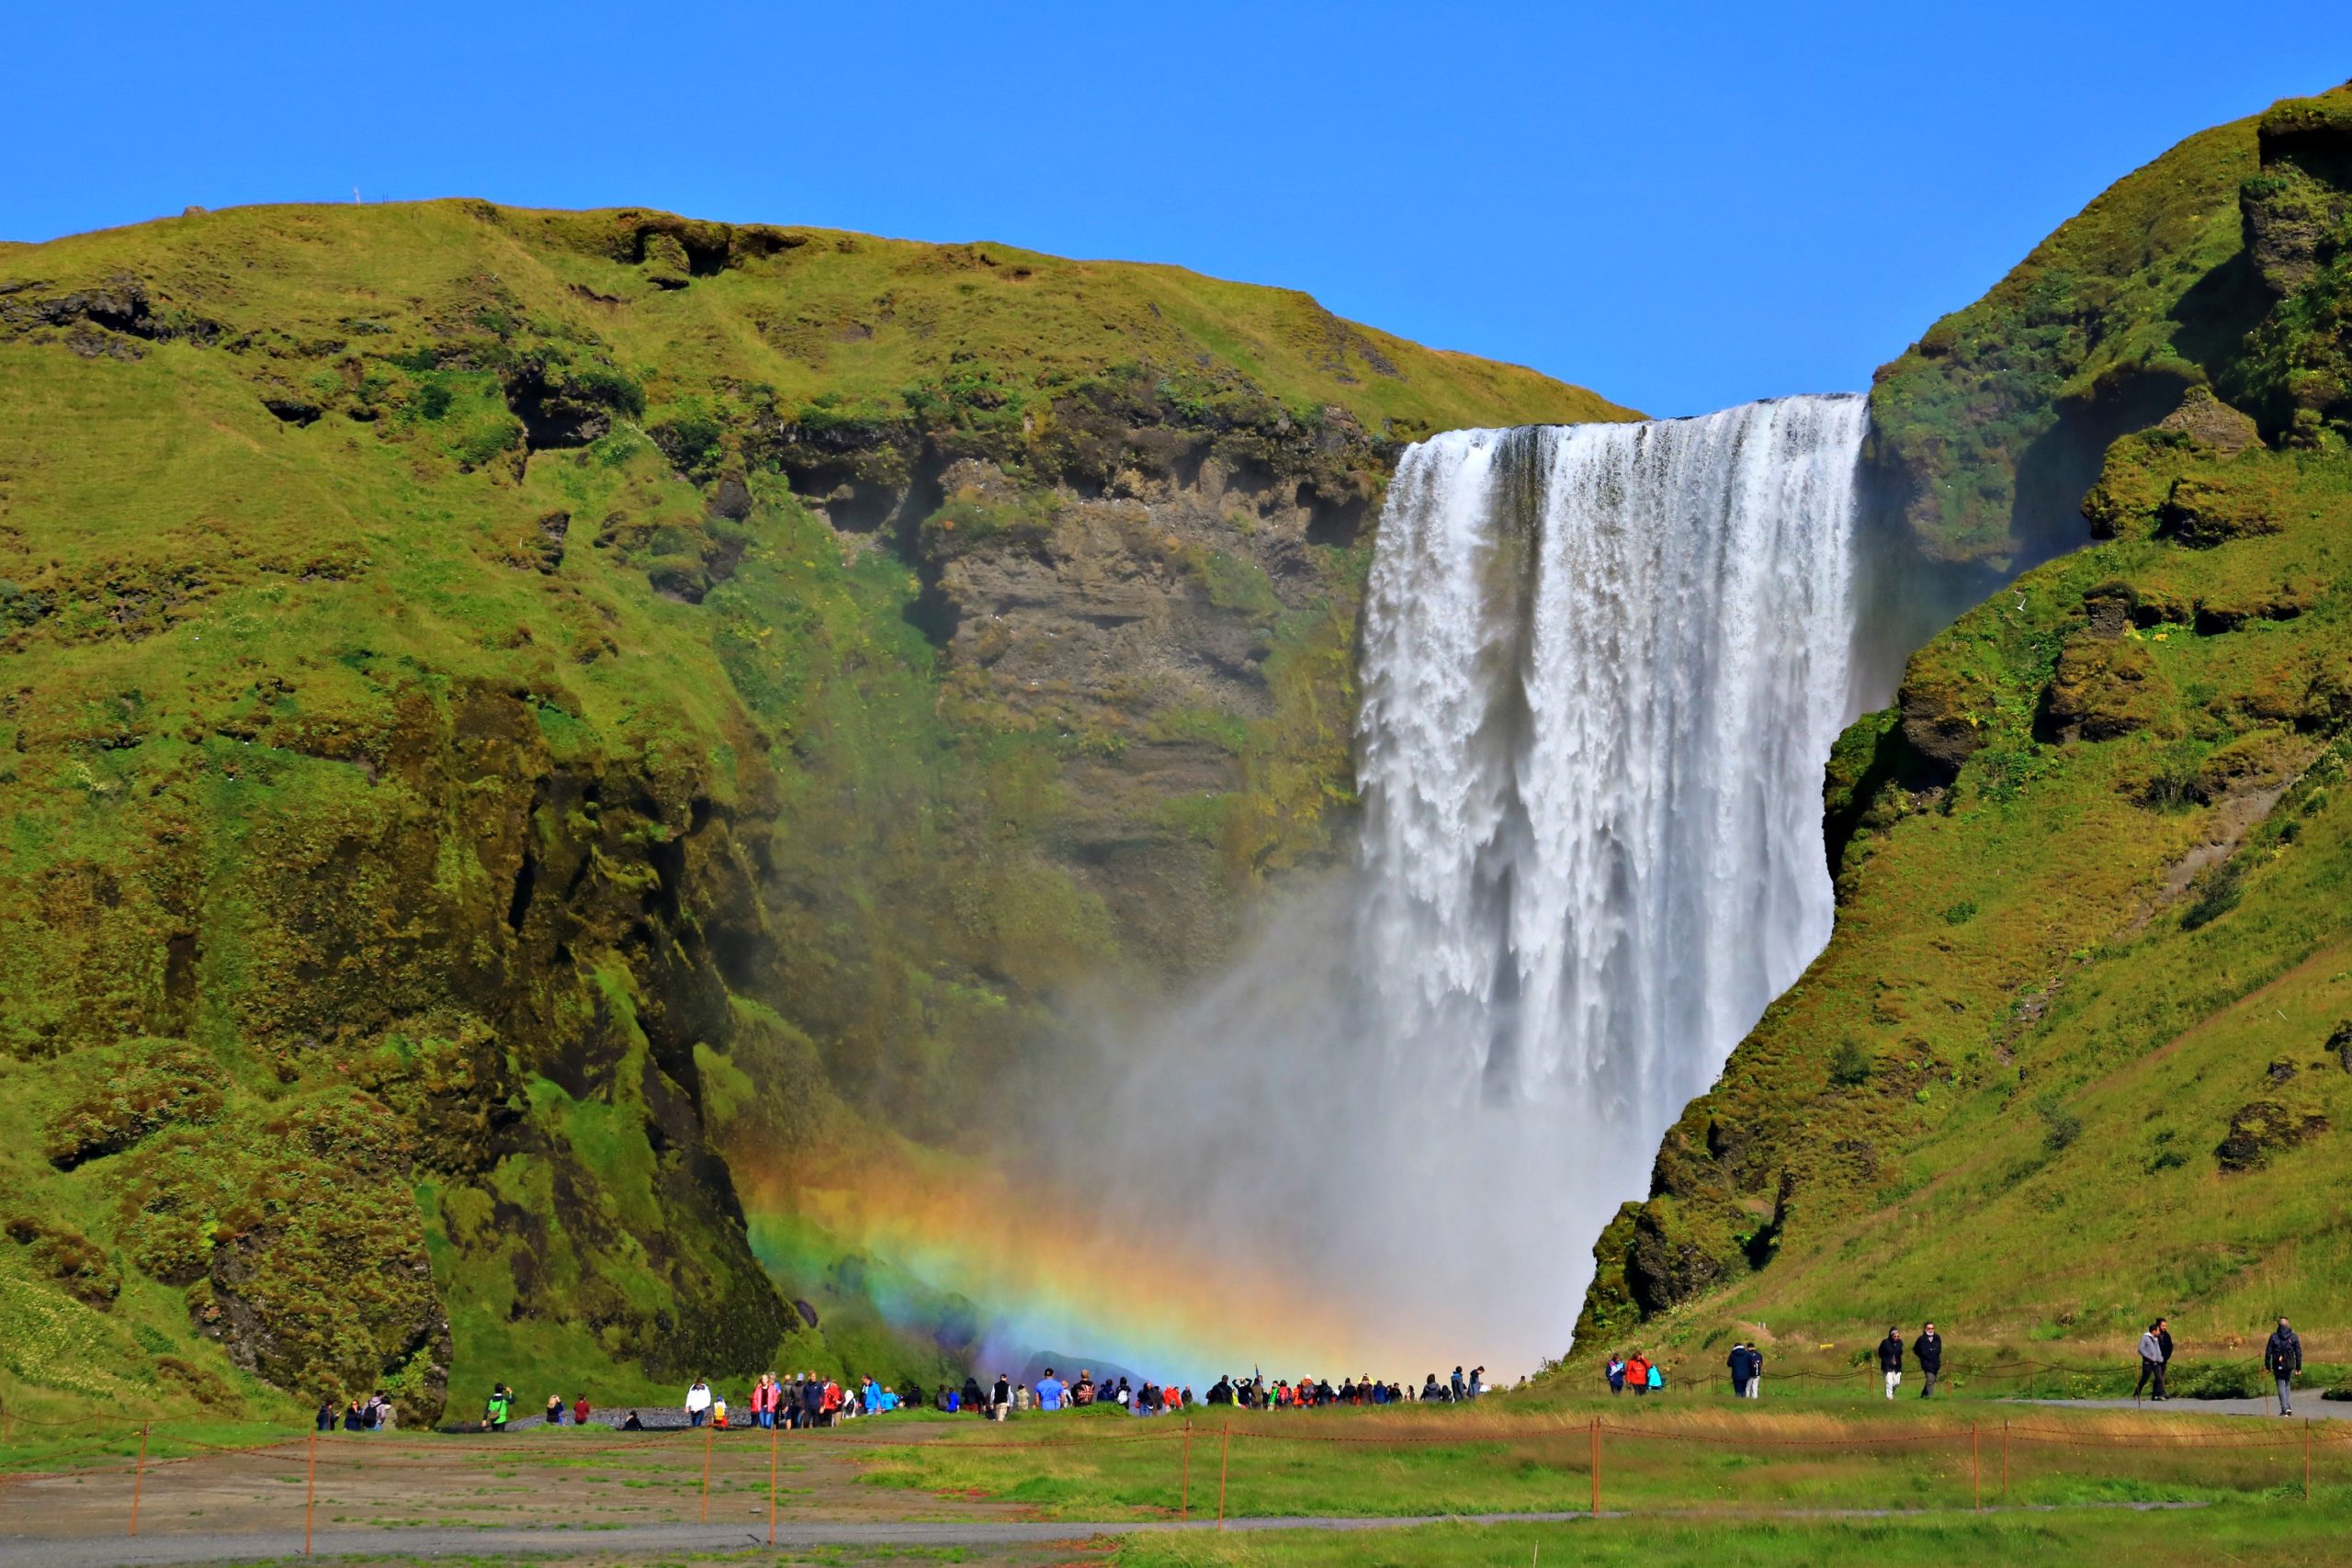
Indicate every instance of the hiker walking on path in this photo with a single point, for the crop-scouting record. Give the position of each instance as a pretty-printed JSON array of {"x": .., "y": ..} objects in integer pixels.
[
  {"x": 698, "y": 1402},
  {"x": 2155, "y": 1349},
  {"x": 1755, "y": 1371},
  {"x": 1929, "y": 1350},
  {"x": 2282, "y": 1356},
  {"x": 1737, "y": 1363},
  {"x": 1890, "y": 1358},
  {"x": 1617, "y": 1373}
]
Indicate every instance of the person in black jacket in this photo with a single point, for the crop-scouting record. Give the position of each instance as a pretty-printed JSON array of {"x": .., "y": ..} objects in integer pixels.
[
  {"x": 1737, "y": 1363},
  {"x": 812, "y": 1401},
  {"x": 1930, "y": 1350},
  {"x": 1890, "y": 1358},
  {"x": 2283, "y": 1358}
]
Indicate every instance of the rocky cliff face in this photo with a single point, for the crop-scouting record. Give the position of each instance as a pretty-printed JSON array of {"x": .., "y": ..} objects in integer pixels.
[{"x": 515, "y": 720}]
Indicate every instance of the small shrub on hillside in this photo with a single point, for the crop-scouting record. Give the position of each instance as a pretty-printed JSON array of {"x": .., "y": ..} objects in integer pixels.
[
  {"x": 689, "y": 438},
  {"x": 1849, "y": 1065},
  {"x": 2060, "y": 1125},
  {"x": 2219, "y": 892},
  {"x": 2175, "y": 778},
  {"x": 1960, "y": 914}
]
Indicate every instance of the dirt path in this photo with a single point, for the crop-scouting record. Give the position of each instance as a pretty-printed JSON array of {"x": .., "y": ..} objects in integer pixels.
[
  {"x": 2308, "y": 1403},
  {"x": 458, "y": 1489},
  {"x": 618, "y": 1546}
]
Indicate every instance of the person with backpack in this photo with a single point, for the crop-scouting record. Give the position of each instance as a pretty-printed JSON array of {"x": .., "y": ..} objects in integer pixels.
[
  {"x": 499, "y": 1410},
  {"x": 1000, "y": 1398},
  {"x": 2283, "y": 1358},
  {"x": 1656, "y": 1376},
  {"x": 1930, "y": 1350},
  {"x": 2152, "y": 1360},
  {"x": 1890, "y": 1358}
]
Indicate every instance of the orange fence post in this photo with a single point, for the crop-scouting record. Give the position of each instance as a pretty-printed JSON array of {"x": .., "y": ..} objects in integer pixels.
[
  {"x": 710, "y": 1435},
  {"x": 1596, "y": 1467},
  {"x": 311, "y": 1495},
  {"x": 1184, "y": 1480},
  {"x": 1976, "y": 1470},
  {"x": 1223, "y": 1451},
  {"x": 2005, "y": 1459},
  {"x": 774, "y": 1437},
  {"x": 140, "y": 1477},
  {"x": 2307, "y": 1459}
]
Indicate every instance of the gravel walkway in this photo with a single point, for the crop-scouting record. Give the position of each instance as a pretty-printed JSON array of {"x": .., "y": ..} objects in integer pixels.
[{"x": 20, "y": 1551}]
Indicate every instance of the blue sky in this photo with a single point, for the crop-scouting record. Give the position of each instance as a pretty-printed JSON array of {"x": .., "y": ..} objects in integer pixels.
[{"x": 1682, "y": 206}]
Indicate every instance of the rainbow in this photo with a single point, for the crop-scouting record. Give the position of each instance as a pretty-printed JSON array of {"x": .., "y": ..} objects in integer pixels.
[{"x": 1043, "y": 1275}]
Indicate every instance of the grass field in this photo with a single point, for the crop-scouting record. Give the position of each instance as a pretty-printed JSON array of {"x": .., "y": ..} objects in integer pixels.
[
  {"x": 1866, "y": 1455},
  {"x": 2235, "y": 1532},
  {"x": 1681, "y": 1480}
]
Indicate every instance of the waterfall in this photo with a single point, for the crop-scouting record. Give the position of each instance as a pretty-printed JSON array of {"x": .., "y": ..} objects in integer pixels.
[{"x": 1602, "y": 669}]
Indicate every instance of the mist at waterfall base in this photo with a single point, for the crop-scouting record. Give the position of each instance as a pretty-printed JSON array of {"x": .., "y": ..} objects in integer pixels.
[{"x": 1602, "y": 669}]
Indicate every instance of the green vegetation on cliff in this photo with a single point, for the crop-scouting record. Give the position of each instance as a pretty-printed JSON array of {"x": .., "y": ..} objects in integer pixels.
[
  {"x": 512, "y": 718},
  {"x": 2080, "y": 1050},
  {"x": 1987, "y": 430}
]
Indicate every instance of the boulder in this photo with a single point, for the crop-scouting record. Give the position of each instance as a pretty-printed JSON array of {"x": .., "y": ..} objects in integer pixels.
[{"x": 2262, "y": 1128}]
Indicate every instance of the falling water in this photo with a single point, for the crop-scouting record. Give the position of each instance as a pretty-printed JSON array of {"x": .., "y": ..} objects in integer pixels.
[{"x": 1603, "y": 665}]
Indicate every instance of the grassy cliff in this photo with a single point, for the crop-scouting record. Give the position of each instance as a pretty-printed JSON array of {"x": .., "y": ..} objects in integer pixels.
[
  {"x": 2080, "y": 1050},
  {"x": 513, "y": 718}
]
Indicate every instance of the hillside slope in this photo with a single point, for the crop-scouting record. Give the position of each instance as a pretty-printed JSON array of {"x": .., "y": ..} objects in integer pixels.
[
  {"x": 2080, "y": 1050},
  {"x": 512, "y": 718},
  {"x": 1985, "y": 433}
]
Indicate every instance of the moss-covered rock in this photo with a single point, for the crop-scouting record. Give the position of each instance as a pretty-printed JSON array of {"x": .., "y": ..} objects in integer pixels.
[
  {"x": 2262, "y": 1129},
  {"x": 2105, "y": 686}
]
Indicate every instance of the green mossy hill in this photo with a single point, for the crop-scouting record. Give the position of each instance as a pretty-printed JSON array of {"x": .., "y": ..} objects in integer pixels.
[
  {"x": 505, "y": 723},
  {"x": 2076, "y": 1051},
  {"x": 1985, "y": 433}
]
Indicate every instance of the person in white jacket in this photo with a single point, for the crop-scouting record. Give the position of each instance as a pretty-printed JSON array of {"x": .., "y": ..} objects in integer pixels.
[{"x": 698, "y": 1403}]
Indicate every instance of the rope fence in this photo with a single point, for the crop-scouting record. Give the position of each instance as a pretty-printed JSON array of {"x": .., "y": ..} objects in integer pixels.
[{"x": 1597, "y": 1435}]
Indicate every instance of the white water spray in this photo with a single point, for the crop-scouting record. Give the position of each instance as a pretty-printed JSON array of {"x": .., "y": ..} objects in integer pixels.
[{"x": 1602, "y": 667}]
